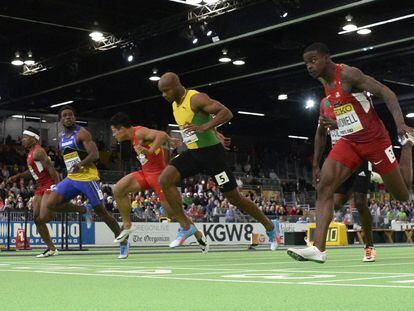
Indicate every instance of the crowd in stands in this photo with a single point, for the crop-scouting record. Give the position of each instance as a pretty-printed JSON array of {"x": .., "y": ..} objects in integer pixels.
[{"x": 202, "y": 200}]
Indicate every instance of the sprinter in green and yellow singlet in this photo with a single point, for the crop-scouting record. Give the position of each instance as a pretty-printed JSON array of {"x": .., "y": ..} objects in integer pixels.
[{"x": 198, "y": 116}]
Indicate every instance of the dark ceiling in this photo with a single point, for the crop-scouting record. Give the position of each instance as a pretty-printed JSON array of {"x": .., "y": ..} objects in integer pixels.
[{"x": 102, "y": 82}]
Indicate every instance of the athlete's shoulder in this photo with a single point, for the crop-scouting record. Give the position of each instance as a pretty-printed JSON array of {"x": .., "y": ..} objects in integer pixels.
[{"x": 350, "y": 74}]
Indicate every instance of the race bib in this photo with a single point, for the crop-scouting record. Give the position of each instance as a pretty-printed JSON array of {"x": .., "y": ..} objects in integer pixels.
[
  {"x": 334, "y": 136},
  {"x": 33, "y": 173},
  {"x": 71, "y": 159},
  {"x": 142, "y": 158},
  {"x": 348, "y": 120},
  {"x": 221, "y": 178},
  {"x": 188, "y": 137}
]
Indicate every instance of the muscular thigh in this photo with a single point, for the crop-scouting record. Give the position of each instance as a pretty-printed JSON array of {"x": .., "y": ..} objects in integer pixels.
[
  {"x": 37, "y": 199},
  {"x": 130, "y": 183},
  {"x": 333, "y": 174}
]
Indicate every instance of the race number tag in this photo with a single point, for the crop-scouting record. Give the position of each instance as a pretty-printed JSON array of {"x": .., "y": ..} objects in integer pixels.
[
  {"x": 189, "y": 137},
  {"x": 71, "y": 159},
  {"x": 390, "y": 154},
  {"x": 334, "y": 136},
  {"x": 33, "y": 173},
  {"x": 221, "y": 178},
  {"x": 100, "y": 194},
  {"x": 347, "y": 119},
  {"x": 142, "y": 158}
]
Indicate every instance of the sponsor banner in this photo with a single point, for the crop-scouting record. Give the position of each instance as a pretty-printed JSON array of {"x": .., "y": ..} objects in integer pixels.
[
  {"x": 55, "y": 230},
  {"x": 148, "y": 234}
]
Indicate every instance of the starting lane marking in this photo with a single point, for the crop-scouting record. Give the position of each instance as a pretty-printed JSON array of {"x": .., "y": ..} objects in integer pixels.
[
  {"x": 156, "y": 271},
  {"x": 278, "y": 276}
]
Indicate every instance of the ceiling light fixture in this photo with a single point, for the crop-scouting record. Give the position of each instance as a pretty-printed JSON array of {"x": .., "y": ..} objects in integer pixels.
[
  {"x": 96, "y": 36},
  {"x": 224, "y": 58},
  {"x": 29, "y": 61},
  {"x": 364, "y": 31},
  {"x": 349, "y": 26},
  {"x": 251, "y": 113},
  {"x": 62, "y": 103},
  {"x": 410, "y": 115},
  {"x": 298, "y": 137},
  {"x": 310, "y": 103},
  {"x": 155, "y": 76},
  {"x": 282, "y": 97},
  {"x": 392, "y": 20},
  {"x": 239, "y": 62},
  {"x": 17, "y": 61}
]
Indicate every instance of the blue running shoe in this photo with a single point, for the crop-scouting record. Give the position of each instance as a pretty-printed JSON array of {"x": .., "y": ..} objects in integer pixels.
[
  {"x": 274, "y": 236},
  {"x": 183, "y": 235},
  {"x": 88, "y": 216},
  {"x": 124, "y": 251}
]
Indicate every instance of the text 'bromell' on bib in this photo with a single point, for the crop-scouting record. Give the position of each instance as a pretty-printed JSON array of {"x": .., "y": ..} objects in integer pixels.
[{"x": 347, "y": 119}]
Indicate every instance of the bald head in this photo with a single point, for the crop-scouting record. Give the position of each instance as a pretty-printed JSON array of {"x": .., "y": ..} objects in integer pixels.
[
  {"x": 169, "y": 79},
  {"x": 170, "y": 86}
]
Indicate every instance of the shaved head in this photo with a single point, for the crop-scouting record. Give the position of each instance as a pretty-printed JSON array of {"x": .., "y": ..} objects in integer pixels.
[
  {"x": 170, "y": 86},
  {"x": 169, "y": 79}
]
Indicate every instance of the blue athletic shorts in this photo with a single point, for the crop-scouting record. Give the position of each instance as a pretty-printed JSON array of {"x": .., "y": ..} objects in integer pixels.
[{"x": 69, "y": 189}]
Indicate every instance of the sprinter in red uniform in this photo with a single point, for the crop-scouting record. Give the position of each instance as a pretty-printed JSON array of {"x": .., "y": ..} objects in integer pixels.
[
  {"x": 148, "y": 145},
  {"x": 41, "y": 169},
  {"x": 363, "y": 137}
]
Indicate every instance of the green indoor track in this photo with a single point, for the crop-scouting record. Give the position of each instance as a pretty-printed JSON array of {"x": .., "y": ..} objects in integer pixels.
[{"x": 223, "y": 280}]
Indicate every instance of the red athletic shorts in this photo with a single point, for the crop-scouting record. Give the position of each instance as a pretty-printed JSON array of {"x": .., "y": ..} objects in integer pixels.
[
  {"x": 148, "y": 181},
  {"x": 378, "y": 152},
  {"x": 41, "y": 189}
]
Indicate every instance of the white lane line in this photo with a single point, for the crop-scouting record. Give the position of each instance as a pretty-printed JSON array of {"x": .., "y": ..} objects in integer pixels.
[
  {"x": 366, "y": 279},
  {"x": 209, "y": 267},
  {"x": 404, "y": 281},
  {"x": 216, "y": 280}
]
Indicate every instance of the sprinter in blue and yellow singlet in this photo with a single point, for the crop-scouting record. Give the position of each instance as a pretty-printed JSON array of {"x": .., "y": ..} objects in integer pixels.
[
  {"x": 80, "y": 153},
  {"x": 198, "y": 115}
]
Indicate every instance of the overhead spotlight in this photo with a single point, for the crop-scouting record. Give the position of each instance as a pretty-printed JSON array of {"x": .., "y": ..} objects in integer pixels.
[
  {"x": 280, "y": 9},
  {"x": 410, "y": 115},
  {"x": 205, "y": 29},
  {"x": 17, "y": 61},
  {"x": 224, "y": 58},
  {"x": 239, "y": 62},
  {"x": 310, "y": 103},
  {"x": 96, "y": 36},
  {"x": 282, "y": 97},
  {"x": 189, "y": 33},
  {"x": 193, "y": 1},
  {"x": 155, "y": 76},
  {"x": 349, "y": 26},
  {"x": 29, "y": 61},
  {"x": 364, "y": 31}
]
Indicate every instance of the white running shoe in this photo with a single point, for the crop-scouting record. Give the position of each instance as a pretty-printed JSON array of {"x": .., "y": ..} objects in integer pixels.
[
  {"x": 124, "y": 235},
  {"x": 369, "y": 254},
  {"x": 48, "y": 253},
  {"x": 310, "y": 253}
]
